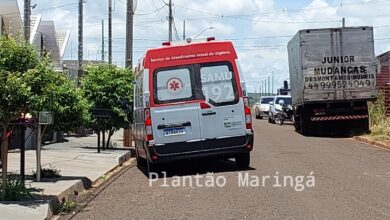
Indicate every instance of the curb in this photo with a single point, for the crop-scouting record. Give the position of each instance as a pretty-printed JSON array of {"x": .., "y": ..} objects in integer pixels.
[
  {"x": 103, "y": 186},
  {"x": 55, "y": 203},
  {"x": 95, "y": 192},
  {"x": 126, "y": 156},
  {"x": 372, "y": 142},
  {"x": 81, "y": 185}
]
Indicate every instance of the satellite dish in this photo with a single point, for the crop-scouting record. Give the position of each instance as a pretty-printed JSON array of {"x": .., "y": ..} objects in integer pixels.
[{"x": 135, "y": 4}]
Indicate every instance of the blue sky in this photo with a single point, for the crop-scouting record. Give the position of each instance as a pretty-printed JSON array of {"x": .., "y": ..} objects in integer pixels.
[{"x": 259, "y": 29}]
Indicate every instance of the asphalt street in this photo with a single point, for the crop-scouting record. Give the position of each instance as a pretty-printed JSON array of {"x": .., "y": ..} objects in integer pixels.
[{"x": 349, "y": 180}]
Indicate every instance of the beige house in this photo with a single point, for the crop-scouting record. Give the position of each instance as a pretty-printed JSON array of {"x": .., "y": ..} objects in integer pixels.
[
  {"x": 10, "y": 18},
  {"x": 43, "y": 34}
]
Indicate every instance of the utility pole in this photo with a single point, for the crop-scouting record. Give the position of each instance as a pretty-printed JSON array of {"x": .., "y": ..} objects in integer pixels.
[
  {"x": 129, "y": 34},
  {"x": 26, "y": 20},
  {"x": 103, "y": 40},
  {"x": 269, "y": 85},
  {"x": 80, "y": 51},
  {"x": 343, "y": 21},
  {"x": 262, "y": 87},
  {"x": 110, "y": 31},
  {"x": 170, "y": 20},
  {"x": 38, "y": 152},
  {"x": 27, "y": 13},
  {"x": 265, "y": 87},
  {"x": 273, "y": 82},
  {"x": 184, "y": 29}
]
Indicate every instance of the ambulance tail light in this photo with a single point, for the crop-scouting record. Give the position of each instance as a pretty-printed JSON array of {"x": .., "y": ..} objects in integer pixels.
[
  {"x": 248, "y": 116},
  {"x": 148, "y": 125},
  {"x": 204, "y": 105}
]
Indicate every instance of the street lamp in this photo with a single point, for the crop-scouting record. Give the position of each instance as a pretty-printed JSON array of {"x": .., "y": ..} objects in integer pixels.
[{"x": 209, "y": 28}]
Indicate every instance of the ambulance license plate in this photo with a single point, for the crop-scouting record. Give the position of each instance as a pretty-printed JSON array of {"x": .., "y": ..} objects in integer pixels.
[{"x": 174, "y": 132}]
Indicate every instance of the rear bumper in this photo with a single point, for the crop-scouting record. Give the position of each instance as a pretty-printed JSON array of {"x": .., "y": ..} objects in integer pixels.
[{"x": 209, "y": 148}]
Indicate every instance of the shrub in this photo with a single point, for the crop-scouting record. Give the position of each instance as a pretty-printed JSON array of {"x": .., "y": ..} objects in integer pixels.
[
  {"x": 67, "y": 207},
  {"x": 15, "y": 190},
  {"x": 379, "y": 123},
  {"x": 49, "y": 173}
]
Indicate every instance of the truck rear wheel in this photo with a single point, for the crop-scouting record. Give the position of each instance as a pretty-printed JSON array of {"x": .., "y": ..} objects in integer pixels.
[
  {"x": 302, "y": 121},
  {"x": 360, "y": 127},
  {"x": 243, "y": 160},
  {"x": 297, "y": 123}
]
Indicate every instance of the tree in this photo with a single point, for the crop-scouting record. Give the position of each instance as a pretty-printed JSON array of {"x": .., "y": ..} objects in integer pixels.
[
  {"x": 54, "y": 92},
  {"x": 106, "y": 87},
  {"x": 30, "y": 85},
  {"x": 16, "y": 57}
]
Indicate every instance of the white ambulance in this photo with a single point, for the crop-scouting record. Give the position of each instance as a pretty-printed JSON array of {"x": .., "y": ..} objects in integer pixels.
[{"x": 189, "y": 102}]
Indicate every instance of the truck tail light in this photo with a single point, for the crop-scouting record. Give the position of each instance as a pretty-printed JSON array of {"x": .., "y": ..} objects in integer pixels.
[
  {"x": 248, "y": 116},
  {"x": 357, "y": 108},
  {"x": 319, "y": 111},
  {"x": 148, "y": 125}
]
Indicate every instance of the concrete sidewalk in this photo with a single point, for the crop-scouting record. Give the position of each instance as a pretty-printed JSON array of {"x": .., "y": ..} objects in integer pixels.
[{"x": 79, "y": 165}]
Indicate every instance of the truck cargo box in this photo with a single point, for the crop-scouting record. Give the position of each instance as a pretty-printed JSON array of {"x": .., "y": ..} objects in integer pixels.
[{"x": 333, "y": 64}]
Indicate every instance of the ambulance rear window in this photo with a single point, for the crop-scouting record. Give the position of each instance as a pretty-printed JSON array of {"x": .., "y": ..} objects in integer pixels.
[
  {"x": 174, "y": 85},
  {"x": 213, "y": 82},
  {"x": 218, "y": 83}
]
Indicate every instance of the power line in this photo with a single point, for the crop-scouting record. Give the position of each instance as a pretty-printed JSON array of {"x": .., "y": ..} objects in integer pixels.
[
  {"x": 176, "y": 33},
  {"x": 257, "y": 38},
  {"x": 44, "y": 9},
  {"x": 283, "y": 10},
  {"x": 122, "y": 2},
  {"x": 224, "y": 18},
  {"x": 167, "y": 4},
  {"x": 151, "y": 12},
  {"x": 57, "y": 7},
  {"x": 154, "y": 5},
  {"x": 196, "y": 10},
  {"x": 382, "y": 26}
]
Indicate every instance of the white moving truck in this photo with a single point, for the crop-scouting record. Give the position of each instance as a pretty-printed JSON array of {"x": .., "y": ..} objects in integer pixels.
[{"x": 333, "y": 75}]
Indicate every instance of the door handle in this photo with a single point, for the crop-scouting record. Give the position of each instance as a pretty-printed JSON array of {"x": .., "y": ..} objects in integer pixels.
[{"x": 209, "y": 113}]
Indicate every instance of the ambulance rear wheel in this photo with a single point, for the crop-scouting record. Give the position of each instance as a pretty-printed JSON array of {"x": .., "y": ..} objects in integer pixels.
[
  {"x": 140, "y": 161},
  {"x": 243, "y": 160},
  {"x": 152, "y": 170}
]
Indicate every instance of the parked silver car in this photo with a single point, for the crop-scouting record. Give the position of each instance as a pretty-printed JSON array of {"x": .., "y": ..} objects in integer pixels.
[{"x": 262, "y": 107}]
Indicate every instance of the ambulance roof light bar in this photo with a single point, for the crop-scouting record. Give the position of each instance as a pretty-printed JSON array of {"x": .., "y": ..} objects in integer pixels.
[{"x": 188, "y": 41}]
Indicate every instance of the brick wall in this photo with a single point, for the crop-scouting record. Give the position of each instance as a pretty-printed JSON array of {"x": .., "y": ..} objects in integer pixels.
[
  {"x": 383, "y": 78},
  {"x": 386, "y": 91}
]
